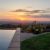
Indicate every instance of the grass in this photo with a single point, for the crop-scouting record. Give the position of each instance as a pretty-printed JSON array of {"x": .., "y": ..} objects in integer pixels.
[{"x": 41, "y": 42}]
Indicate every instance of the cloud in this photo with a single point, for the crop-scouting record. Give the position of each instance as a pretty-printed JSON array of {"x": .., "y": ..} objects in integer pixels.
[
  {"x": 20, "y": 10},
  {"x": 35, "y": 13},
  {"x": 42, "y": 16},
  {"x": 32, "y": 11}
]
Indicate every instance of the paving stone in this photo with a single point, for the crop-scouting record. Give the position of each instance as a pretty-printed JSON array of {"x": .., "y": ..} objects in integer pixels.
[
  {"x": 14, "y": 44},
  {"x": 13, "y": 48}
]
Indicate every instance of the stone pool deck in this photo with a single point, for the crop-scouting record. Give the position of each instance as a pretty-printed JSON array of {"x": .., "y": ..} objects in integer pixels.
[{"x": 15, "y": 43}]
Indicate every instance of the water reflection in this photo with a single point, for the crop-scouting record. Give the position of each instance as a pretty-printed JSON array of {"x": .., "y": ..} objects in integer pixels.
[{"x": 5, "y": 38}]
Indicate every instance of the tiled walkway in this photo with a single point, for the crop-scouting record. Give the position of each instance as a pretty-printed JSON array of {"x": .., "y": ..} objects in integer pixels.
[{"x": 15, "y": 43}]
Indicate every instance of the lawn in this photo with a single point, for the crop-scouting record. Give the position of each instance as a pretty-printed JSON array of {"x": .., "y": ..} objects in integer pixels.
[{"x": 41, "y": 42}]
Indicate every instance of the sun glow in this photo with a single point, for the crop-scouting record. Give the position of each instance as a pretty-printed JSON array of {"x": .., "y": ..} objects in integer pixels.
[
  {"x": 21, "y": 13},
  {"x": 21, "y": 16}
]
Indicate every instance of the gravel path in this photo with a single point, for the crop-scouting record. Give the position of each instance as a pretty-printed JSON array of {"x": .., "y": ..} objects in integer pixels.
[{"x": 24, "y": 36}]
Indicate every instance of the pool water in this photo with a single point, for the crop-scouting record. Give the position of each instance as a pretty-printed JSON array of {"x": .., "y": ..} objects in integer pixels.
[{"x": 5, "y": 38}]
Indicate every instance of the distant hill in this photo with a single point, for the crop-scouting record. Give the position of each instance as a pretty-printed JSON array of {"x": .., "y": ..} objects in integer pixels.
[{"x": 11, "y": 22}]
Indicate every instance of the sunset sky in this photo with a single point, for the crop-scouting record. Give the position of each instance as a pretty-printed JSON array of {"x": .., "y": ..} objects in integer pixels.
[{"x": 25, "y": 10}]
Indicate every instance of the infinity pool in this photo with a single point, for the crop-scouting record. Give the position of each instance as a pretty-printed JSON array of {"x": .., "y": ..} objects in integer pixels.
[{"x": 5, "y": 38}]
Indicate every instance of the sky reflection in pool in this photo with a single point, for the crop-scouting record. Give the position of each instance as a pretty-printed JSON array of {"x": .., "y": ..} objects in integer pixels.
[{"x": 5, "y": 38}]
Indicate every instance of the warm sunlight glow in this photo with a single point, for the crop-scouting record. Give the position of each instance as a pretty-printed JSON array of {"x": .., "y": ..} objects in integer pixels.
[
  {"x": 20, "y": 13},
  {"x": 21, "y": 16}
]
